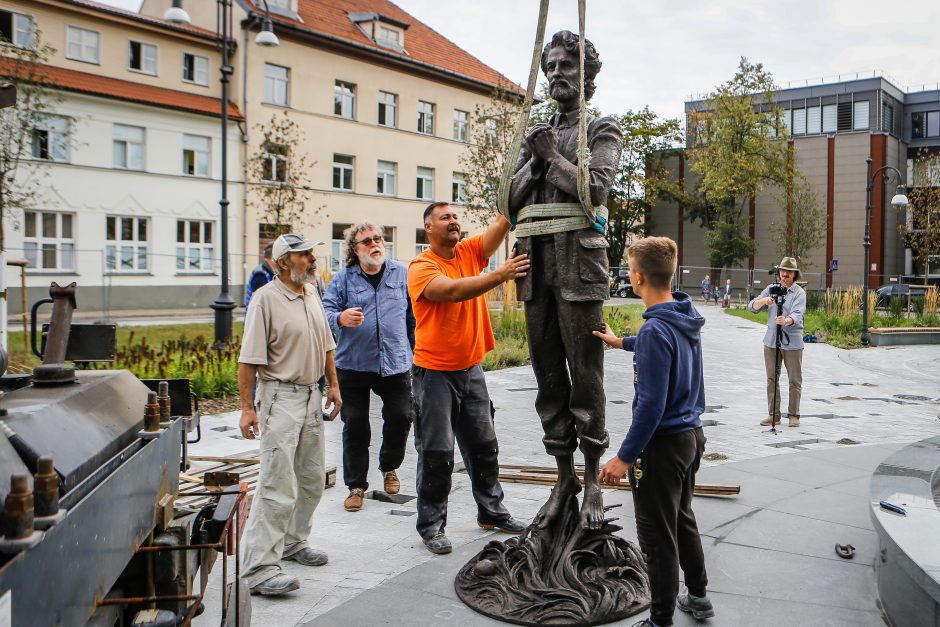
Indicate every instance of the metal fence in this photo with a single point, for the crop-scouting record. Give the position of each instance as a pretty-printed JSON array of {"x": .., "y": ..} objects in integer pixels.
[{"x": 745, "y": 283}]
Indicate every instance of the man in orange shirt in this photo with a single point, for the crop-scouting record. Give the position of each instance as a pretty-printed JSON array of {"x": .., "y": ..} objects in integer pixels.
[{"x": 452, "y": 336}]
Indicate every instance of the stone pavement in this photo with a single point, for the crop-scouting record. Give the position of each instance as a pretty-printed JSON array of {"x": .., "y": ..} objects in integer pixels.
[{"x": 769, "y": 549}]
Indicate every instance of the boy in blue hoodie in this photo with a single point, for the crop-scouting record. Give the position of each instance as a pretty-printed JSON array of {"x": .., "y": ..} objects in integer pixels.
[{"x": 664, "y": 445}]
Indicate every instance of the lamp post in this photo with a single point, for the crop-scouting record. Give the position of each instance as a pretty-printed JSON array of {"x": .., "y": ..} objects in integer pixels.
[
  {"x": 223, "y": 303},
  {"x": 899, "y": 200}
]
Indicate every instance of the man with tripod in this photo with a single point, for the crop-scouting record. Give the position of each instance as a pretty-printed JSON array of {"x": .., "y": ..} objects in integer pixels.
[{"x": 783, "y": 341}]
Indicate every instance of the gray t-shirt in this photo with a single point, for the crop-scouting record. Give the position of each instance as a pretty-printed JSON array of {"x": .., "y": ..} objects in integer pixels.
[
  {"x": 793, "y": 307},
  {"x": 286, "y": 335}
]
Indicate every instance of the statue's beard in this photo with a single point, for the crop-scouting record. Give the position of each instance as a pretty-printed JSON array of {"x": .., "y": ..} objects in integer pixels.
[
  {"x": 301, "y": 278},
  {"x": 563, "y": 91},
  {"x": 371, "y": 263}
]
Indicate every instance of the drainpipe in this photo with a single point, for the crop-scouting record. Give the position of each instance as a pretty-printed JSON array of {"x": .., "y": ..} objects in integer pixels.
[{"x": 244, "y": 77}]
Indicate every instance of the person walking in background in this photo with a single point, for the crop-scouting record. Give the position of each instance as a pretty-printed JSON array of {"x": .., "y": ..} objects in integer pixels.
[
  {"x": 706, "y": 289},
  {"x": 726, "y": 301},
  {"x": 370, "y": 314},
  {"x": 263, "y": 274}
]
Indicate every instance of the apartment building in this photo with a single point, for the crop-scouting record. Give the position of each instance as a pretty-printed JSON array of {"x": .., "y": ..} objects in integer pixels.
[
  {"x": 385, "y": 104},
  {"x": 130, "y": 205},
  {"x": 833, "y": 128}
]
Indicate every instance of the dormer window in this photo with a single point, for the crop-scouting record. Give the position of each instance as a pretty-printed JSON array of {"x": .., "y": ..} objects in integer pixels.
[
  {"x": 382, "y": 30},
  {"x": 388, "y": 37}
]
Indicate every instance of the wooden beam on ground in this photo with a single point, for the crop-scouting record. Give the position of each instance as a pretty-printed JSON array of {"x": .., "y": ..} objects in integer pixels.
[{"x": 544, "y": 475}]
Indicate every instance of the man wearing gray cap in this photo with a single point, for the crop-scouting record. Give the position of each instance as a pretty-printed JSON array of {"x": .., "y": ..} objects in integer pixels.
[{"x": 287, "y": 343}]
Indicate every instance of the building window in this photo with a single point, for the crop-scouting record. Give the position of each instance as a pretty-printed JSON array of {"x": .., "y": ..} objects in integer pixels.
[
  {"x": 424, "y": 189},
  {"x": 489, "y": 128},
  {"x": 338, "y": 247},
  {"x": 344, "y": 100},
  {"x": 799, "y": 121},
  {"x": 142, "y": 57},
  {"x": 18, "y": 29},
  {"x": 887, "y": 117},
  {"x": 388, "y": 109},
  {"x": 48, "y": 240},
  {"x": 421, "y": 241},
  {"x": 917, "y": 125},
  {"x": 388, "y": 232},
  {"x": 194, "y": 246},
  {"x": 195, "y": 69},
  {"x": 388, "y": 37},
  {"x": 195, "y": 155},
  {"x": 425, "y": 117},
  {"x": 860, "y": 115},
  {"x": 126, "y": 245},
  {"x": 128, "y": 147},
  {"x": 933, "y": 123},
  {"x": 343, "y": 173},
  {"x": 275, "y": 163},
  {"x": 830, "y": 118},
  {"x": 813, "y": 120},
  {"x": 82, "y": 45},
  {"x": 51, "y": 138},
  {"x": 276, "y": 79},
  {"x": 458, "y": 192},
  {"x": 385, "y": 180},
  {"x": 461, "y": 125}
]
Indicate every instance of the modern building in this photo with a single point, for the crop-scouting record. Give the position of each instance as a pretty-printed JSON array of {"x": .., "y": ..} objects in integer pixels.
[
  {"x": 384, "y": 102},
  {"x": 129, "y": 203},
  {"x": 833, "y": 128}
]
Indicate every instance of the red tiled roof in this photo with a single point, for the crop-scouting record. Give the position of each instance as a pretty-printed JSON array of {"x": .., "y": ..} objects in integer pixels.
[
  {"x": 424, "y": 45},
  {"x": 85, "y": 83}
]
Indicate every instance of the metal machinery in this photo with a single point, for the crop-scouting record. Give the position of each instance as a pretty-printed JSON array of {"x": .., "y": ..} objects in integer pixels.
[{"x": 89, "y": 472}]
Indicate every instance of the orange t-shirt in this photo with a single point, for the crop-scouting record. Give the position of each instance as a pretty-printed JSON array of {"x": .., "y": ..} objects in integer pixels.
[{"x": 450, "y": 336}]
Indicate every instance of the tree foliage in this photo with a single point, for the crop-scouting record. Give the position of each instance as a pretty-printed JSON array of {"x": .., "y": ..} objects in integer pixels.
[
  {"x": 738, "y": 147},
  {"x": 278, "y": 176},
  {"x": 921, "y": 226},
  {"x": 23, "y": 178},
  {"x": 801, "y": 226}
]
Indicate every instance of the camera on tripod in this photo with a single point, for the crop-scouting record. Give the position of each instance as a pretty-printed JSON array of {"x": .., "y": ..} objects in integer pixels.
[{"x": 777, "y": 291}]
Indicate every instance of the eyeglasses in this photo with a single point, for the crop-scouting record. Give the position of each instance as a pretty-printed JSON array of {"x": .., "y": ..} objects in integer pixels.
[{"x": 375, "y": 239}]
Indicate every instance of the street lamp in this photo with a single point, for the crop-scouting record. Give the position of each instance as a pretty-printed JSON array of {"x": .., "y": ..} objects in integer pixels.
[
  {"x": 223, "y": 303},
  {"x": 898, "y": 201}
]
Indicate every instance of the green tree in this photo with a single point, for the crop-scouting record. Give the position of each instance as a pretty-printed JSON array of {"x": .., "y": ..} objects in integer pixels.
[
  {"x": 921, "y": 224},
  {"x": 23, "y": 176},
  {"x": 278, "y": 177},
  {"x": 801, "y": 226},
  {"x": 738, "y": 147},
  {"x": 642, "y": 174}
]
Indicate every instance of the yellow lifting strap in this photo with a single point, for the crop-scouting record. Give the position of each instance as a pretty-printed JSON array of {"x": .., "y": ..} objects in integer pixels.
[{"x": 522, "y": 122}]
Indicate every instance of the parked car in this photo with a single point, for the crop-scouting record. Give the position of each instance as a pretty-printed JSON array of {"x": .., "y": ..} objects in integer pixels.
[
  {"x": 901, "y": 291},
  {"x": 620, "y": 284}
]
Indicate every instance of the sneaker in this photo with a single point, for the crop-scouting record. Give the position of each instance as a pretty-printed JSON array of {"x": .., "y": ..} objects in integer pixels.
[
  {"x": 309, "y": 557},
  {"x": 392, "y": 484},
  {"x": 510, "y": 525},
  {"x": 699, "y": 607},
  {"x": 353, "y": 502},
  {"x": 438, "y": 544},
  {"x": 646, "y": 622},
  {"x": 794, "y": 422},
  {"x": 278, "y": 585}
]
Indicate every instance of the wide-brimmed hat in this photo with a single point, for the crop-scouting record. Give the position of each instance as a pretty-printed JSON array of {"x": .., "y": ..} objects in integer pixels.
[
  {"x": 292, "y": 243},
  {"x": 789, "y": 263}
]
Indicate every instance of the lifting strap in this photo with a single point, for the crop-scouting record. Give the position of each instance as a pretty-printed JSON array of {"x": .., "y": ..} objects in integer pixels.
[{"x": 554, "y": 217}]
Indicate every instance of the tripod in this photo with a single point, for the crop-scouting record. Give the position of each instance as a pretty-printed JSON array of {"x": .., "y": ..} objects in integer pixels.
[{"x": 778, "y": 301}]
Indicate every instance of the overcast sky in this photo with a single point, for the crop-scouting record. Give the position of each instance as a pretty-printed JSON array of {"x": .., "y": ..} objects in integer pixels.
[{"x": 660, "y": 53}]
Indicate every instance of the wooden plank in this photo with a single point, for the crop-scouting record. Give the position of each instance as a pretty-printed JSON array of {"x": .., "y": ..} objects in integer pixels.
[
  {"x": 538, "y": 475},
  {"x": 252, "y": 459}
]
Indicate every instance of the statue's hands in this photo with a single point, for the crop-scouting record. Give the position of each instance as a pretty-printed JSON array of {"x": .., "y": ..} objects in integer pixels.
[{"x": 542, "y": 141}]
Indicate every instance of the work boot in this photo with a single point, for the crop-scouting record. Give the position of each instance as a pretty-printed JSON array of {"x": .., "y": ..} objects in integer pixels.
[
  {"x": 309, "y": 557},
  {"x": 510, "y": 525},
  {"x": 794, "y": 421},
  {"x": 278, "y": 585},
  {"x": 699, "y": 607},
  {"x": 353, "y": 502},
  {"x": 392, "y": 484},
  {"x": 438, "y": 544}
]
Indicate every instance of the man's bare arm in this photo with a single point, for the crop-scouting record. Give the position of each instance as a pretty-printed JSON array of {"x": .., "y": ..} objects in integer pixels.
[
  {"x": 494, "y": 234},
  {"x": 246, "y": 392},
  {"x": 443, "y": 289},
  {"x": 333, "y": 396}
]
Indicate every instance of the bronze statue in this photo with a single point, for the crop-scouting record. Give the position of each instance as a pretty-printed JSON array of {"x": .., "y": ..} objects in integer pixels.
[
  {"x": 569, "y": 567},
  {"x": 565, "y": 290}
]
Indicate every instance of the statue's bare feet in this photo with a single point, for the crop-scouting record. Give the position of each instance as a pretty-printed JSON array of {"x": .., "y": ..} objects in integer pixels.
[
  {"x": 564, "y": 487},
  {"x": 592, "y": 507}
]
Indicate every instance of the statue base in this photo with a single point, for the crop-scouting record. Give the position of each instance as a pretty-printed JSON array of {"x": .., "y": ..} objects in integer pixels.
[{"x": 559, "y": 575}]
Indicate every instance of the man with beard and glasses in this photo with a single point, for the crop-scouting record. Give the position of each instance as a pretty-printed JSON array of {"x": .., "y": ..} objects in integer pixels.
[
  {"x": 370, "y": 314},
  {"x": 453, "y": 335},
  {"x": 565, "y": 291},
  {"x": 287, "y": 343}
]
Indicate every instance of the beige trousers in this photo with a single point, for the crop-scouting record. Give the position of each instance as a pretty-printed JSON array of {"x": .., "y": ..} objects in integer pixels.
[
  {"x": 293, "y": 474},
  {"x": 793, "y": 362}
]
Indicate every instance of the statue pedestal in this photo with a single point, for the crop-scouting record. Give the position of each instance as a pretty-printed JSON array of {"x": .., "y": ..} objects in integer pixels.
[{"x": 559, "y": 575}]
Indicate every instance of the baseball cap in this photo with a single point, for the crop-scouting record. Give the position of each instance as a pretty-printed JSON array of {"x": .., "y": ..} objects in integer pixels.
[{"x": 292, "y": 243}]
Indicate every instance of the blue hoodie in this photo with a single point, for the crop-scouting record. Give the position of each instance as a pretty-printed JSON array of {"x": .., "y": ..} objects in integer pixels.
[{"x": 669, "y": 390}]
